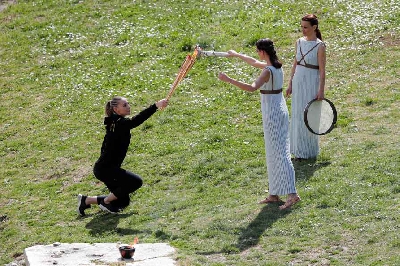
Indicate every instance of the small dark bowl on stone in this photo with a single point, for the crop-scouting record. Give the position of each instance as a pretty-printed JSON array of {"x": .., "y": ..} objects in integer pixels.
[{"x": 126, "y": 251}]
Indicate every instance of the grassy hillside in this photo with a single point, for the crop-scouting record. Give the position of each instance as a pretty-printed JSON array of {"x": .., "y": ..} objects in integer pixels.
[{"x": 202, "y": 158}]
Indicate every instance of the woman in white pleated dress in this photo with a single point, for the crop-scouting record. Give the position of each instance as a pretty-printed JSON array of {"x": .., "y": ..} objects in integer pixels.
[
  {"x": 281, "y": 175},
  {"x": 307, "y": 82}
]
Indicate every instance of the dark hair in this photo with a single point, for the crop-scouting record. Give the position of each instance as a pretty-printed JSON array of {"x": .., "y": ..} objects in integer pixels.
[
  {"x": 111, "y": 104},
  {"x": 313, "y": 21},
  {"x": 267, "y": 46}
]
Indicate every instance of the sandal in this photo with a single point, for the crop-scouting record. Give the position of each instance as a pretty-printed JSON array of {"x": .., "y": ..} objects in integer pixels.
[
  {"x": 270, "y": 199},
  {"x": 289, "y": 203}
]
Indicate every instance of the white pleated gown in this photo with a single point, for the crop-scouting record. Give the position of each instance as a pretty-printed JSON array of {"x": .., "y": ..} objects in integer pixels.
[
  {"x": 275, "y": 115},
  {"x": 305, "y": 84}
]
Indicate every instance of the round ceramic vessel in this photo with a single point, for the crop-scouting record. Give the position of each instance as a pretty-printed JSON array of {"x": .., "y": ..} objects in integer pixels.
[{"x": 126, "y": 251}]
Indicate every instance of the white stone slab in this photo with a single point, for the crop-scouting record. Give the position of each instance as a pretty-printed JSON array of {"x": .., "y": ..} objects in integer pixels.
[{"x": 97, "y": 254}]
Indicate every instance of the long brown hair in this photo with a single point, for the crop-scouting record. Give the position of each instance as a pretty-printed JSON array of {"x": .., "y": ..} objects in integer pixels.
[
  {"x": 267, "y": 45},
  {"x": 313, "y": 21}
]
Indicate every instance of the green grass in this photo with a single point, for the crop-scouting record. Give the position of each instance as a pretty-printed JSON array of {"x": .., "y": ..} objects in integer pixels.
[{"x": 202, "y": 159}]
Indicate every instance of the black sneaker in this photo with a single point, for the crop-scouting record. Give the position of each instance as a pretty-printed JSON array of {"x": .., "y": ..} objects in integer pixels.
[
  {"x": 82, "y": 206},
  {"x": 108, "y": 207}
]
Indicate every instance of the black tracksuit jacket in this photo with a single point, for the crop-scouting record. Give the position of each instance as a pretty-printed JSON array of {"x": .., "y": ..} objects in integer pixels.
[{"x": 118, "y": 137}]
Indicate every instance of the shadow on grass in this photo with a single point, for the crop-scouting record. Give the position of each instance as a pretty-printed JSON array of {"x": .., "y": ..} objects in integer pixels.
[
  {"x": 306, "y": 168},
  {"x": 250, "y": 236},
  {"x": 106, "y": 222}
]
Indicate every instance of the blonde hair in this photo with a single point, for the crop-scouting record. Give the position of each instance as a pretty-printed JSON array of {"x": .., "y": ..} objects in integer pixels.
[{"x": 111, "y": 104}]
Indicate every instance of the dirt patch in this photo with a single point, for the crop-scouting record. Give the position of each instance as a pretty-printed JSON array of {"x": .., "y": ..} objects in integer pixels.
[
  {"x": 5, "y": 3},
  {"x": 390, "y": 39}
]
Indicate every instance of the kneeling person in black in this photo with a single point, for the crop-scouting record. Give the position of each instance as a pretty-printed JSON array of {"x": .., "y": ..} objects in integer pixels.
[{"x": 115, "y": 145}]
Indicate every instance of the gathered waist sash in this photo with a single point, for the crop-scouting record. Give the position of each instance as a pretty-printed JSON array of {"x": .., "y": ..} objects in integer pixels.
[{"x": 270, "y": 91}]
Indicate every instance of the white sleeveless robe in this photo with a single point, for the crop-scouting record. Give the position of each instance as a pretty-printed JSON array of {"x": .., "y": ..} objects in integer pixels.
[
  {"x": 275, "y": 115},
  {"x": 305, "y": 85}
]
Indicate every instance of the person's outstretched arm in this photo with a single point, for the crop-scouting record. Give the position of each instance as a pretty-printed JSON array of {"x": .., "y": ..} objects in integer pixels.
[
  {"x": 248, "y": 59},
  {"x": 264, "y": 77},
  {"x": 138, "y": 119}
]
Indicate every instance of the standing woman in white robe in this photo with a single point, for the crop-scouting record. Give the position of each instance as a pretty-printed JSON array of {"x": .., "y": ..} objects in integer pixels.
[
  {"x": 307, "y": 82},
  {"x": 281, "y": 175}
]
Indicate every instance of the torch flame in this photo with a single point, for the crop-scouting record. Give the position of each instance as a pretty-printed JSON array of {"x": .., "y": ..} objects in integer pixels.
[{"x": 135, "y": 241}]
